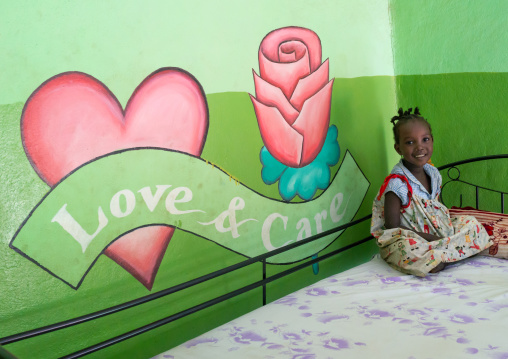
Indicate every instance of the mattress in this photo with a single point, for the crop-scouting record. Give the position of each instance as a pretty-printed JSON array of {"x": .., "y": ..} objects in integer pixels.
[{"x": 374, "y": 311}]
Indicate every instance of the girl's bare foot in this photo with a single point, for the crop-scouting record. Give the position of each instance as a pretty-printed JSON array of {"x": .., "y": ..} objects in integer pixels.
[{"x": 438, "y": 268}]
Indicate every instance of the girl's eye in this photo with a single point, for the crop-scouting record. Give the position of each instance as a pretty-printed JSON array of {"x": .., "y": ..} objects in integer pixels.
[
  {"x": 409, "y": 142},
  {"x": 426, "y": 139}
]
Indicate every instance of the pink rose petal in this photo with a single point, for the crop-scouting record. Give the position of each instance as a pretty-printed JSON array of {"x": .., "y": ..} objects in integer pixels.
[
  {"x": 284, "y": 75},
  {"x": 309, "y": 86},
  {"x": 313, "y": 123},
  {"x": 273, "y": 96},
  {"x": 282, "y": 62},
  {"x": 281, "y": 140},
  {"x": 291, "y": 51},
  {"x": 270, "y": 46}
]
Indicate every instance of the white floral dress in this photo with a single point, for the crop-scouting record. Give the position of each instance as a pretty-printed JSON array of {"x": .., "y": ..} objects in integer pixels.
[{"x": 408, "y": 252}]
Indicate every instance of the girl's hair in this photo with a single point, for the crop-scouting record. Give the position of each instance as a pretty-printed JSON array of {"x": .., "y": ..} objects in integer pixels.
[{"x": 405, "y": 117}]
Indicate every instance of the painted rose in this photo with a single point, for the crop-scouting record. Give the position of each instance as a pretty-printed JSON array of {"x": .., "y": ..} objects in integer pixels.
[{"x": 293, "y": 95}]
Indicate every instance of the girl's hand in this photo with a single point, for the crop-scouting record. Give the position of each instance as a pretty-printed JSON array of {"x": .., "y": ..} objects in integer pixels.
[
  {"x": 392, "y": 216},
  {"x": 428, "y": 237}
]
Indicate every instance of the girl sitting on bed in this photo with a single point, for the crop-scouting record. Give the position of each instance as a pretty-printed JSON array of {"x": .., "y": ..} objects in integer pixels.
[{"x": 413, "y": 229}]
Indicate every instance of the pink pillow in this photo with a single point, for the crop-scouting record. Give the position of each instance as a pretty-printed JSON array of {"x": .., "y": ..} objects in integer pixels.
[{"x": 496, "y": 225}]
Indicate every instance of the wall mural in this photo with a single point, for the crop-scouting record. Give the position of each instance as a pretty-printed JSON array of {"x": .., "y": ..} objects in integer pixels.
[
  {"x": 292, "y": 106},
  {"x": 73, "y": 119},
  {"x": 121, "y": 181}
]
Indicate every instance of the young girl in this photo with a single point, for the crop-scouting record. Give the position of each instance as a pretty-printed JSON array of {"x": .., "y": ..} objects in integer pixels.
[{"x": 413, "y": 229}]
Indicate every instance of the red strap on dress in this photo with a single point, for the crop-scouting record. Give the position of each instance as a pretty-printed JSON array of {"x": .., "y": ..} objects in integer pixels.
[{"x": 404, "y": 179}]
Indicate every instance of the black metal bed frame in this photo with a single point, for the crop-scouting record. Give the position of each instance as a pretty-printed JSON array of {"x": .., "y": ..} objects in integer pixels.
[
  {"x": 455, "y": 177},
  {"x": 262, "y": 283},
  {"x": 130, "y": 304}
]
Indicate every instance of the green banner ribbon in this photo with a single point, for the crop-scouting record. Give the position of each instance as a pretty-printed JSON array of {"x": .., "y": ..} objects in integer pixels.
[{"x": 106, "y": 198}]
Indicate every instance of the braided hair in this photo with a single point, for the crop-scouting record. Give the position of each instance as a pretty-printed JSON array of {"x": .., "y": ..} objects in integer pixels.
[{"x": 405, "y": 117}]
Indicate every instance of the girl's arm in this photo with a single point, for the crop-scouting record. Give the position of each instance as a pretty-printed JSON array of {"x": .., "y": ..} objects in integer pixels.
[{"x": 393, "y": 206}]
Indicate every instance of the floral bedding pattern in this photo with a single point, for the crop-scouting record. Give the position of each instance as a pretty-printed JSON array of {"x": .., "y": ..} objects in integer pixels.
[{"x": 374, "y": 311}]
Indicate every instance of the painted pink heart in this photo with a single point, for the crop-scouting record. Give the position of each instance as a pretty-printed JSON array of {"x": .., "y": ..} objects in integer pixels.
[{"x": 73, "y": 118}]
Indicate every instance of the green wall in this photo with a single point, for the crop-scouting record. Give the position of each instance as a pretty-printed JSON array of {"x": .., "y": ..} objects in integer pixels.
[
  {"x": 448, "y": 58},
  {"x": 120, "y": 44},
  {"x": 434, "y": 37}
]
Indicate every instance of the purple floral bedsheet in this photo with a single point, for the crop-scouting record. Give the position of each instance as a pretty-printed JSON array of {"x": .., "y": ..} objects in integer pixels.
[{"x": 373, "y": 311}]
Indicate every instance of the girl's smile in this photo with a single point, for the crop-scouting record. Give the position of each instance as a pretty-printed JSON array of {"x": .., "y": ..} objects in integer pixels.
[{"x": 415, "y": 143}]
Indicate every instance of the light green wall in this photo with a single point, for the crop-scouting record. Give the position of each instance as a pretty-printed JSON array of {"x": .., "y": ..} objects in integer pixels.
[{"x": 120, "y": 43}]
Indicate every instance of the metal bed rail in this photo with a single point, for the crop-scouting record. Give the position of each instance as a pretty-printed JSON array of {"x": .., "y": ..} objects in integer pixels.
[{"x": 130, "y": 304}]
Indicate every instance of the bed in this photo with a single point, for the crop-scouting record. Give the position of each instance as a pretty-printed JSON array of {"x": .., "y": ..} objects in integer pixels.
[
  {"x": 370, "y": 310},
  {"x": 373, "y": 309}
]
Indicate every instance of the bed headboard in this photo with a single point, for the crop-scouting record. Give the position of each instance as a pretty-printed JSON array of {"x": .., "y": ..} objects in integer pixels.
[{"x": 478, "y": 185}]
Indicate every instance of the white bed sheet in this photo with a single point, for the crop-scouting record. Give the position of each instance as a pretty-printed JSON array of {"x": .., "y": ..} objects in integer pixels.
[{"x": 373, "y": 311}]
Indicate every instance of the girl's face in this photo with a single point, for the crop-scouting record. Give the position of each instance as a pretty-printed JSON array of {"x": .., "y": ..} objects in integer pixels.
[{"x": 415, "y": 143}]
